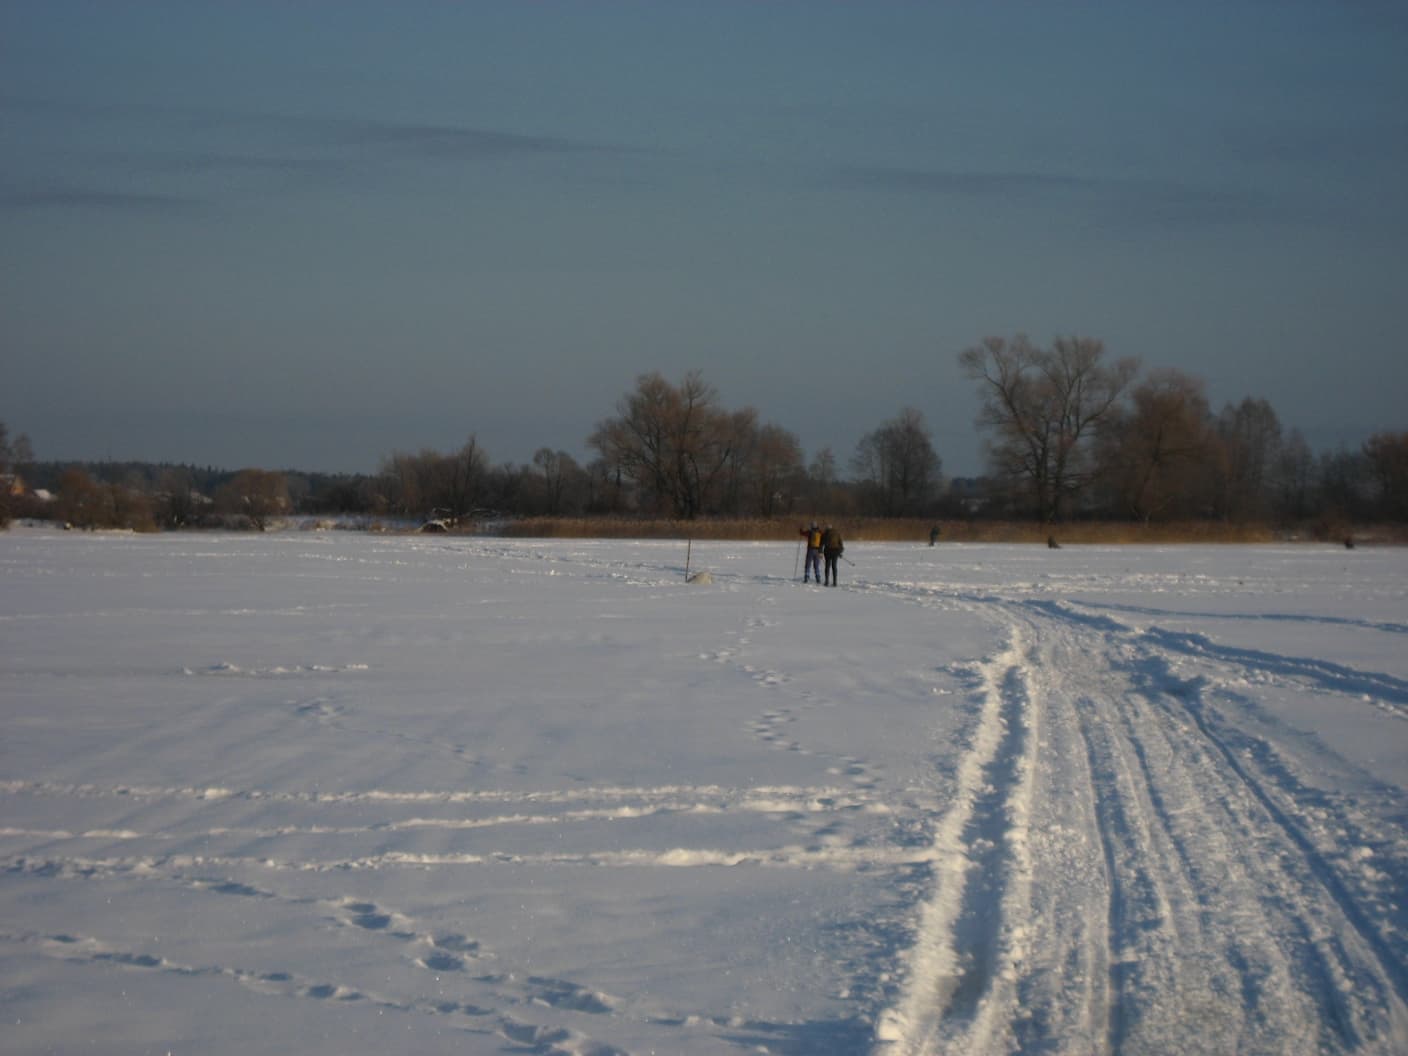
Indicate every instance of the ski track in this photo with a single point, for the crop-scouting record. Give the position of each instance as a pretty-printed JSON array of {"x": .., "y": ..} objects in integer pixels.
[
  {"x": 1124, "y": 860},
  {"x": 1183, "y": 872},
  {"x": 960, "y": 972}
]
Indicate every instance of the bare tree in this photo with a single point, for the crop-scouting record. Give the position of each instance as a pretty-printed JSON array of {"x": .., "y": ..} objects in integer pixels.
[
  {"x": 770, "y": 470},
  {"x": 1295, "y": 477},
  {"x": 431, "y": 484},
  {"x": 257, "y": 494},
  {"x": 175, "y": 498},
  {"x": 86, "y": 503},
  {"x": 458, "y": 478},
  {"x": 1157, "y": 453},
  {"x": 1041, "y": 408},
  {"x": 130, "y": 507},
  {"x": 674, "y": 443},
  {"x": 406, "y": 482},
  {"x": 711, "y": 450},
  {"x": 80, "y": 500},
  {"x": 7, "y": 457},
  {"x": 506, "y": 485},
  {"x": 606, "y": 486},
  {"x": 635, "y": 445},
  {"x": 825, "y": 492},
  {"x": 561, "y": 482},
  {"x": 1387, "y": 455},
  {"x": 898, "y": 462},
  {"x": 1250, "y": 438},
  {"x": 15, "y": 454},
  {"x": 1344, "y": 484}
]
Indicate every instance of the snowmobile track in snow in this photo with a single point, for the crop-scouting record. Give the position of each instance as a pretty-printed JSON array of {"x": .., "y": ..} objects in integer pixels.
[
  {"x": 1184, "y": 885},
  {"x": 964, "y": 944}
]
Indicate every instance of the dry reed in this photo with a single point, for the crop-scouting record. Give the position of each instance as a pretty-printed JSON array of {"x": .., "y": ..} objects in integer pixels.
[{"x": 898, "y": 530}]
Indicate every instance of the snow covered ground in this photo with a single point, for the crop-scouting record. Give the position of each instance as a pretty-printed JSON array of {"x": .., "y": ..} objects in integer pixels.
[{"x": 340, "y": 793}]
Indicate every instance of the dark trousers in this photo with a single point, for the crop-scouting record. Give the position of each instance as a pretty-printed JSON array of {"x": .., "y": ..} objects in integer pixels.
[{"x": 831, "y": 566}]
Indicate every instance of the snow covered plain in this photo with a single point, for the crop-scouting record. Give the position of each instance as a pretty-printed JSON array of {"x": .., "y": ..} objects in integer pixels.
[{"x": 336, "y": 793}]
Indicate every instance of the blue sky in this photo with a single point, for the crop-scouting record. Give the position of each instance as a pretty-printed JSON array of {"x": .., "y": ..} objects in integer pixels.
[{"x": 308, "y": 234}]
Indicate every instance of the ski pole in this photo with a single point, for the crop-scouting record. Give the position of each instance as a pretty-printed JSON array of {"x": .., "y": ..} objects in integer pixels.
[{"x": 797, "y": 559}]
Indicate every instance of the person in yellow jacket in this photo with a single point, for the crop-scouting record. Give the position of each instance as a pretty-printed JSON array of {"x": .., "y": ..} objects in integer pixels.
[{"x": 812, "y": 569}]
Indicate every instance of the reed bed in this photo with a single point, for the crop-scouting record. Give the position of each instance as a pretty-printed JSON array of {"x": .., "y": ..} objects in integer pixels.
[{"x": 914, "y": 530}]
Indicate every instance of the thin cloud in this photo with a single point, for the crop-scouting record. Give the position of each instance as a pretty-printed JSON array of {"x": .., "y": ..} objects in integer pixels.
[
  {"x": 959, "y": 182},
  {"x": 431, "y": 141},
  {"x": 59, "y": 198},
  {"x": 293, "y": 151},
  {"x": 437, "y": 142},
  {"x": 1101, "y": 200},
  {"x": 459, "y": 143},
  {"x": 215, "y": 161}
]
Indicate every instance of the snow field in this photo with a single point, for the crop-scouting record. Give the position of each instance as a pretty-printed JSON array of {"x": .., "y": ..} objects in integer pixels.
[{"x": 332, "y": 793}]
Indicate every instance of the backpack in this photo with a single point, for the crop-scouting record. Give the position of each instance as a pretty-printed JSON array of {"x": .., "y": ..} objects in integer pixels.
[{"x": 814, "y": 540}]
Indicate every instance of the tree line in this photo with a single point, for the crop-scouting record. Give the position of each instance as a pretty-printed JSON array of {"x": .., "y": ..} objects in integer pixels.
[{"x": 1068, "y": 433}]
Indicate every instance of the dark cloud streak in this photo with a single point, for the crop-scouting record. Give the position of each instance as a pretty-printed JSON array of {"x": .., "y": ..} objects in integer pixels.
[
  {"x": 196, "y": 142},
  {"x": 43, "y": 198},
  {"x": 456, "y": 143},
  {"x": 1102, "y": 200},
  {"x": 955, "y": 182},
  {"x": 435, "y": 141}
]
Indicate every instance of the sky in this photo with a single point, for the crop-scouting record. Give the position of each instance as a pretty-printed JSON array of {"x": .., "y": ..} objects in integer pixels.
[{"x": 310, "y": 235}]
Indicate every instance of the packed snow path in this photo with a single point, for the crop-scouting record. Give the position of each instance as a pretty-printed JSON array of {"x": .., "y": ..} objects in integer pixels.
[
  {"x": 333, "y": 794},
  {"x": 1125, "y": 868}
]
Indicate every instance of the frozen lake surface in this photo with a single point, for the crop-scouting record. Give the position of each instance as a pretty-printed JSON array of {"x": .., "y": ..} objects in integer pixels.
[{"x": 341, "y": 793}]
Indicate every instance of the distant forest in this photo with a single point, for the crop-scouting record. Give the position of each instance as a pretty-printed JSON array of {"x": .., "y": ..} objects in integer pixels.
[{"x": 1068, "y": 434}]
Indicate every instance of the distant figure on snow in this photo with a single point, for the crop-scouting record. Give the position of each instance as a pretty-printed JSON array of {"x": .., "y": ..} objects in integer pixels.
[
  {"x": 812, "y": 568},
  {"x": 831, "y": 548},
  {"x": 933, "y": 535}
]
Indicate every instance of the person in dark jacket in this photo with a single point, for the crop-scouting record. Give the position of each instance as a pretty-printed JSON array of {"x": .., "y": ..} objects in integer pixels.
[
  {"x": 812, "y": 568},
  {"x": 831, "y": 548}
]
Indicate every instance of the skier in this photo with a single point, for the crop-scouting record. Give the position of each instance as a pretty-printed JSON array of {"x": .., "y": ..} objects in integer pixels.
[
  {"x": 812, "y": 568},
  {"x": 831, "y": 548}
]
